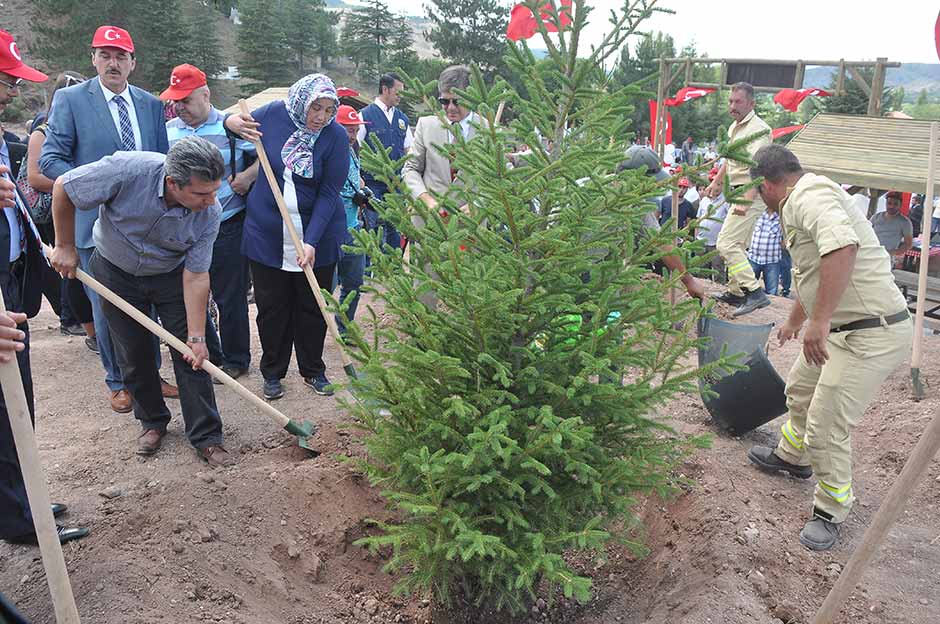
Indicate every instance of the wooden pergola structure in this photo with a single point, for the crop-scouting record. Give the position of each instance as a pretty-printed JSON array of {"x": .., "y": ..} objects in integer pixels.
[
  {"x": 880, "y": 153},
  {"x": 767, "y": 76}
]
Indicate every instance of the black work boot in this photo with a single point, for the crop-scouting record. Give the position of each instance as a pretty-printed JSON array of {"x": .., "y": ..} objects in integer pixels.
[
  {"x": 729, "y": 298},
  {"x": 765, "y": 459},
  {"x": 753, "y": 300},
  {"x": 820, "y": 533}
]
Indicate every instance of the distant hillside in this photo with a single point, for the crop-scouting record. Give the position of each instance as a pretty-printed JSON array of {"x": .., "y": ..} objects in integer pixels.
[{"x": 914, "y": 77}]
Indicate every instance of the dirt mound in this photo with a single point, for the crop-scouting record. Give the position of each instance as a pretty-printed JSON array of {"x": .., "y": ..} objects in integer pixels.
[{"x": 270, "y": 541}]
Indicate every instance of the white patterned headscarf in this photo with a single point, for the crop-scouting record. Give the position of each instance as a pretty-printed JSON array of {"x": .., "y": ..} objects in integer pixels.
[{"x": 297, "y": 152}]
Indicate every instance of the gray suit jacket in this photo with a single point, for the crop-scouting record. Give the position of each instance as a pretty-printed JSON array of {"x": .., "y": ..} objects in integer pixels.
[
  {"x": 81, "y": 131},
  {"x": 428, "y": 170}
]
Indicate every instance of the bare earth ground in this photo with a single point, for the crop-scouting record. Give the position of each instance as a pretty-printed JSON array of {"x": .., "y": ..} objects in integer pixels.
[{"x": 269, "y": 541}]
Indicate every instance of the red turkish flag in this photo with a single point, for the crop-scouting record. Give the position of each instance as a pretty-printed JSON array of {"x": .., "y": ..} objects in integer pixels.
[
  {"x": 687, "y": 94},
  {"x": 936, "y": 35},
  {"x": 523, "y": 25},
  {"x": 790, "y": 99},
  {"x": 667, "y": 138},
  {"x": 779, "y": 132}
]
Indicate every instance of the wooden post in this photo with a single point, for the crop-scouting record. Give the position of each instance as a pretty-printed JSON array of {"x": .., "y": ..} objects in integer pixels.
[
  {"x": 917, "y": 352},
  {"x": 877, "y": 87},
  {"x": 57, "y": 574},
  {"x": 659, "y": 135},
  {"x": 675, "y": 226},
  {"x": 840, "y": 81},
  {"x": 873, "y": 196}
]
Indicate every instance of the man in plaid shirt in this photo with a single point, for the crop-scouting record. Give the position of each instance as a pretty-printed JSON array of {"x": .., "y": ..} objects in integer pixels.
[{"x": 766, "y": 250}]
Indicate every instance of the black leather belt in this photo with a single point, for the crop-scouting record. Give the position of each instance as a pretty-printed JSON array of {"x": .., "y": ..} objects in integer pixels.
[{"x": 869, "y": 323}]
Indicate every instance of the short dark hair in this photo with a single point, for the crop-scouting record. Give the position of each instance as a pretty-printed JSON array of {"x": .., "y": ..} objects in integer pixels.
[
  {"x": 747, "y": 87},
  {"x": 387, "y": 81},
  {"x": 194, "y": 156},
  {"x": 775, "y": 162}
]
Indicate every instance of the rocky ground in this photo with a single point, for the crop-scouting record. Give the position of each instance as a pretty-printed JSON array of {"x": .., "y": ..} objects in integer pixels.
[{"x": 270, "y": 541}]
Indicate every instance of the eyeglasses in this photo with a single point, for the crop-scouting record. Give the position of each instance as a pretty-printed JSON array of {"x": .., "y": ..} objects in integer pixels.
[
  {"x": 445, "y": 102},
  {"x": 12, "y": 85}
]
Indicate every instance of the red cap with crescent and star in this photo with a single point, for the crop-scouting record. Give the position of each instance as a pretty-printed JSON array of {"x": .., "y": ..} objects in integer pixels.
[
  {"x": 12, "y": 63},
  {"x": 113, "y": 37},
  {"x": 184, "y": 80}
]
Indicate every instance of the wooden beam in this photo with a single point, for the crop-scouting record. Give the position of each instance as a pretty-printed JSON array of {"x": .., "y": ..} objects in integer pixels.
[
  {"x": 800, "y": 75},
  {"x": 840, "y": 81},
  {"x": 859, "y": 78},
  {"x": 877, "y": 88},
  {"x": 808, "y": 63}
]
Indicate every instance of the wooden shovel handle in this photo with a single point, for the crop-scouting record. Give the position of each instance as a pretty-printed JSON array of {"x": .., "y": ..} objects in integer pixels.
[
  {"x": 179, "y": 345},
  {"x": 37, "y": 493}
]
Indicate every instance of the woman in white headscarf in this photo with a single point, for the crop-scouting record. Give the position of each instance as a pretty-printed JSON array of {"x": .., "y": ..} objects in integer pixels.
[{"x": 309, "y": 153}]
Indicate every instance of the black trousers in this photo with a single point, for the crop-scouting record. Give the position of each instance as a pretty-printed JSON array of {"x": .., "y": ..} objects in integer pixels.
[
  {"x": 15, "y": 517},
  {"x": 135, "y": 349},
  {"x": 288, "y": 317}
]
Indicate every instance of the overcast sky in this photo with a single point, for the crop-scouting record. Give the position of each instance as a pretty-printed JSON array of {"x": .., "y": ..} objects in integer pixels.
[{"x": 902, "y": 30}]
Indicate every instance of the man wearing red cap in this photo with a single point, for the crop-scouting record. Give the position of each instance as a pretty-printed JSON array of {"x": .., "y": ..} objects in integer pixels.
[
  {"x": 87, "y": 122},
  {"x": 229, "y": 270},
  {"x": 685, "y": 212},
  {"x": 20, "y": 264}
]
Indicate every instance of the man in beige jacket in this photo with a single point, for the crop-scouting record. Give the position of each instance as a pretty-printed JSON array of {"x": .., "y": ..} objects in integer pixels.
[{"x": 428, "y": 170}]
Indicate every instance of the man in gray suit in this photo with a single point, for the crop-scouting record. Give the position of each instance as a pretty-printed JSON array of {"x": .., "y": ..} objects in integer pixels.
[
  {"x": 87, "y": 122},
  {"x": 428, "y": 170}
]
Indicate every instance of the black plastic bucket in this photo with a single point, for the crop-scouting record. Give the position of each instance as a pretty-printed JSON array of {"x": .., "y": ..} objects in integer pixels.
[{"x": 747, "y": 398}]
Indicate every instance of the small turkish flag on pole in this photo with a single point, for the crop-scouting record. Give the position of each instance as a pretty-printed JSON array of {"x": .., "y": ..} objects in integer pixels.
[
  {"x": 687, "y": 94},
  {"x": 523, "y": 25},
  {"x": 790, "y": 99}
]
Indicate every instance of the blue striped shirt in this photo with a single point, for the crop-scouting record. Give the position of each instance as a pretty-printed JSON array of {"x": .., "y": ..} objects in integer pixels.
[
  {"x": 213, "y": 131},
  {"x": 766, "y": 239}
]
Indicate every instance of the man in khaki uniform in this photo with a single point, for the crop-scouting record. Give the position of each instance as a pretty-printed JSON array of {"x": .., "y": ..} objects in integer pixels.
[
  {"x": 744, "y": 291},
  {"x": 859, "y": 331}
]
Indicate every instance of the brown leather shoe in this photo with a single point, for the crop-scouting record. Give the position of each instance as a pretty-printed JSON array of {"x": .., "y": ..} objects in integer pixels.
[
  {"x": 216, "y": 456},
  {"x": 169, "y": 390},
  {"x": 149, "y": 441},
  {"x": 121, "y": 401}
]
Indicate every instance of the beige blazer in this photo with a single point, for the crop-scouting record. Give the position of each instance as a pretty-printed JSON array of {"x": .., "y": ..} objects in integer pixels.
[{"x": 427, "y": 169}]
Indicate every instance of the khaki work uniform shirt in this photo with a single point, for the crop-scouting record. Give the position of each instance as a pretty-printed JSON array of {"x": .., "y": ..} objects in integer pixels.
[
  {"x": 818, "y": 218},
  {"x": 751, "y": 124}
]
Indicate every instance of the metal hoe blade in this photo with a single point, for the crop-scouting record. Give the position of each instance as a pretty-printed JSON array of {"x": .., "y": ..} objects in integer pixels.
[{"x": 304, "y": 432}]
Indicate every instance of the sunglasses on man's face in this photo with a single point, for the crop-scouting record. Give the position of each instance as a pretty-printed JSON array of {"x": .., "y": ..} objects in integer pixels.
[
  {"x": 445, "y": 102},
  {"x": 12, "y": 85}
]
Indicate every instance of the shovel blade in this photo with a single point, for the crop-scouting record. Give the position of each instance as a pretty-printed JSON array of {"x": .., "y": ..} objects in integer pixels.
[
  {"x": 304, "y": 431},
  {"x": 919, "y": 393}
]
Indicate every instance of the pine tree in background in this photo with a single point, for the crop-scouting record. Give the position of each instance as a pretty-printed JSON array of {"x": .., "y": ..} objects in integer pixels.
[
  {"x": 301, "y": 19},
  {"x": 64, "y": 28},
  {"x": 368, "y": 35},
  {"x": 517, "y": 421},
  {"x": 325, "y": 45},
  {"x": 204, "y": 47},
  {"x": 470, "y": 32},
  {"x": 151, "y": 23},
  {"x": 262, "y": 45},
  {"x": 855, "y": 101},
  {"x": 165, "y": 32}
]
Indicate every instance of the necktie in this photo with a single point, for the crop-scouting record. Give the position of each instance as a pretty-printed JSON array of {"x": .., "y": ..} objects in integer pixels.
[{"x": 128, "y": 143}]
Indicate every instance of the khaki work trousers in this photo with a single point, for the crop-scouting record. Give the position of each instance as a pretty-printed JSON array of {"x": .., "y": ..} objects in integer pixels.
[
  {"x": 826, "y": 403},
  {"x": 732, "y": 244}
]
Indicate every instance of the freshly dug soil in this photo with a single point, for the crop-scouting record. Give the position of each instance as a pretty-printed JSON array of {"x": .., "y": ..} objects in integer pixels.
[{"x": 270, "y": 541}]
